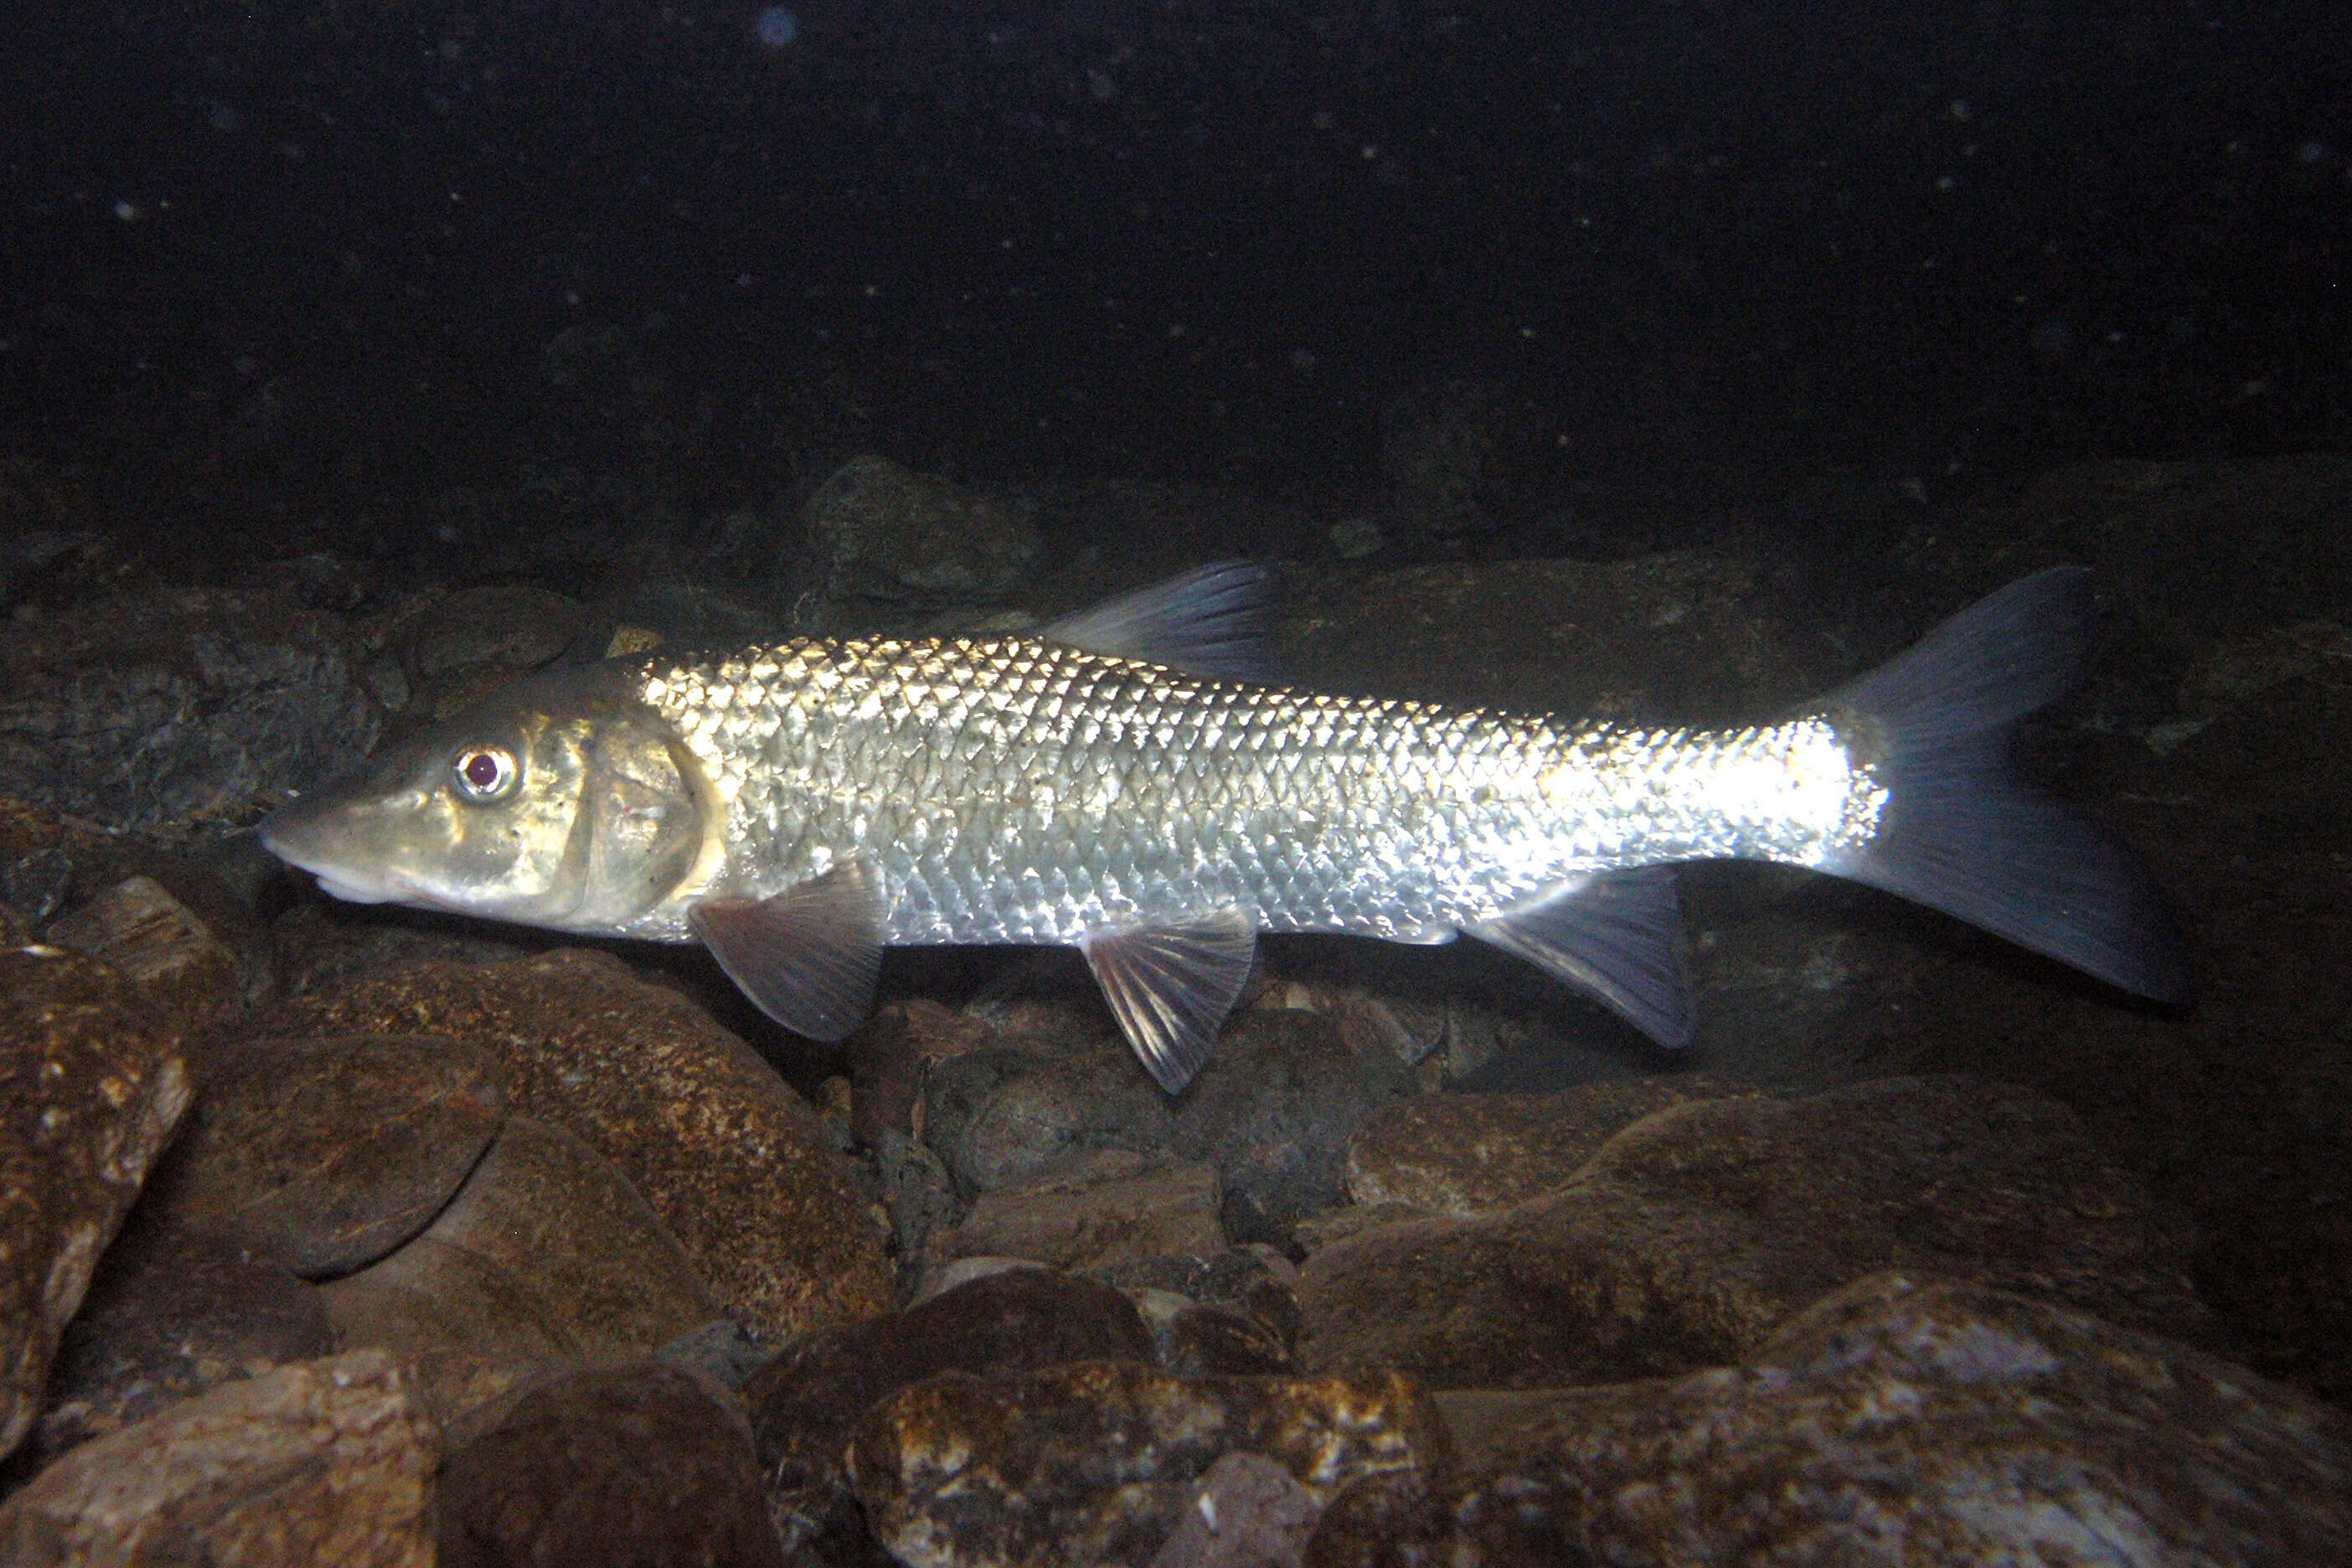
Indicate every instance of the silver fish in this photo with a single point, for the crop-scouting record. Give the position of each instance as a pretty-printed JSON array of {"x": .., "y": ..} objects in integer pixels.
[{"x": 1118, "y": 782}]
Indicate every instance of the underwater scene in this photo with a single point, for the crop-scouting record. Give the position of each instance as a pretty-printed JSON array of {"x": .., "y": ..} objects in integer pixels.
[{"x": 1176, "y": 784}]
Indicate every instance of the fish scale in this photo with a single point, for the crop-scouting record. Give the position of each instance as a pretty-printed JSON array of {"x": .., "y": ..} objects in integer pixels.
[
  {"x": 1011, "y": 791},
  {"x": 796, "y": 808}
]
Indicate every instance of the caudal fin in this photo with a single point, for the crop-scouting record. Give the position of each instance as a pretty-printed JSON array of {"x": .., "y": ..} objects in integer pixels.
[{"x": 1961, "y": 834}]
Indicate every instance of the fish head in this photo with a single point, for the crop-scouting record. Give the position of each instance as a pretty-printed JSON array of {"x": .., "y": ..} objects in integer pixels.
[{"x": 560, "y": 802}]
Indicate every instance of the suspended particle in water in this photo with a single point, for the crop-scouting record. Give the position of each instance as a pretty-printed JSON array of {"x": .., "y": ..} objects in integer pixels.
[{"x": 776, "y": 27}]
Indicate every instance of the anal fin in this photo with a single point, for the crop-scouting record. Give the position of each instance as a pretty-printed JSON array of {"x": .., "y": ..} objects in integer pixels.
[
  {"x": 807, "y": 955},
  {"x": 1170, "y": 986},
  {"x": 1617, "y": 935}
]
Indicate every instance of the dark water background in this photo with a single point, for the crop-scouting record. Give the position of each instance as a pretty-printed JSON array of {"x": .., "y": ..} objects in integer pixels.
[
  {"x": 369, "y": 302},
  {"x": 1708, "y": 252}
]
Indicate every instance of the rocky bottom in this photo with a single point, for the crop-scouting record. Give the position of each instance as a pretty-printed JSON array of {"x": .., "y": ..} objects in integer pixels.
[{"x": 335, "y": 1235}]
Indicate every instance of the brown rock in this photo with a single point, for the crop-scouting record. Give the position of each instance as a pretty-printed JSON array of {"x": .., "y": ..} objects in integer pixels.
[
  {"x": 328, "y": 1153},
  {"x": 171, "y": 1314},
  {"x": 546, "y": 1254},
  {"x": 739, "y": 1167},
  {"x": 637, "y": 1465},
  {"x": 54, "y": 866},
  {"x": 806, "y": 1403},
  {"x": 450, "y": 1312},
  {"x": 94, "y": 707},
  {"x": 1092, "y": 1463},
  {"x": 1695, "y": 1231},
  {"x": 1097, "y": 1210},
  {"x": 1249, "y": 1512},
  {"x": 548, "y": 1211},
  {"x": 882, "y": 531},
  {"x": 137, "y": 926},
  {"x": 511, "y": 625},
  {"x": 1468, "y": 1153},
  {"x": 1271, "y": 1112},
  {"x": 90, "y": 1085},
  {"x": 1197, "y": 1338},
  {"x": 325, "y": 1461},
  {"x": 1902, "y": 1421}
]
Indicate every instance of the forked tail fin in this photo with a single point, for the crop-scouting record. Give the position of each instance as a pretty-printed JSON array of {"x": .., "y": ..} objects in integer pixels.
[{"x": 1961, "y": 833}]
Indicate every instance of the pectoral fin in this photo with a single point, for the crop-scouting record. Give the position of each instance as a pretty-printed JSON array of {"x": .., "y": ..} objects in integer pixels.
[
  {"x": 1170, "y": 987},
  {"x": 1617, "y": 935},
  {"x": 807, "y": 955}
]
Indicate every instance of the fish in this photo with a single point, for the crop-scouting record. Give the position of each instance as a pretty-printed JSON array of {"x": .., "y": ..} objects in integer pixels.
[{"x": 1128, "y": 781}]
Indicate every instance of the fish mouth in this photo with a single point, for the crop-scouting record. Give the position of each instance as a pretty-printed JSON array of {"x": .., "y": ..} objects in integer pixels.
[
  {"x": 284, "y": 835},
  {"x": 354, "y": 892}
]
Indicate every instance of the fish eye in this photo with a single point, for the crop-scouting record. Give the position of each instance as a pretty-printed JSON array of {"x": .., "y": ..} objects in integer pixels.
[{"x": 484, "y": 772}]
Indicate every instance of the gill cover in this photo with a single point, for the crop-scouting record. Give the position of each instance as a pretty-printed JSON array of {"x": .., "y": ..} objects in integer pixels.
[{"x": 560, "y": 802}]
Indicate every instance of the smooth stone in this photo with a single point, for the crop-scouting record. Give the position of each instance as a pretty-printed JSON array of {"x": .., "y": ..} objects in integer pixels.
[
  {"x": 92, "y": 1084},
  {"x": 173, "y": 1312},
  {"x": 323, "y": 1461},
  {"x": 547, "y": 1254},
  {"x": 1898, "y": 1422},
  {"x": 805, "y": 1403},
  {"x": 449, "y": 1312},
  {"x": 1095, "y": 1210},
  {"x": 743, "y": 1172},
  {"x": 1695, "y": 1232},
  {"x": 328, "y": 1153},
  {"x": 552, "y": 1213},
  {"x": 1470, "y": 1154},
  {"x": 1094, "y": 1463},
  {"x": 641, "y": 1465}
]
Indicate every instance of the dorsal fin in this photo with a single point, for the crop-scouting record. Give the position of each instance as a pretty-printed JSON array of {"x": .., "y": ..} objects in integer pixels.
[{"x": 1215, "y": 620}]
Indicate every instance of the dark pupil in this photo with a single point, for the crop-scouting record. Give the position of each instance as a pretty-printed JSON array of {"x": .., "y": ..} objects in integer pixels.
[{"x": 482, "y": 771}]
